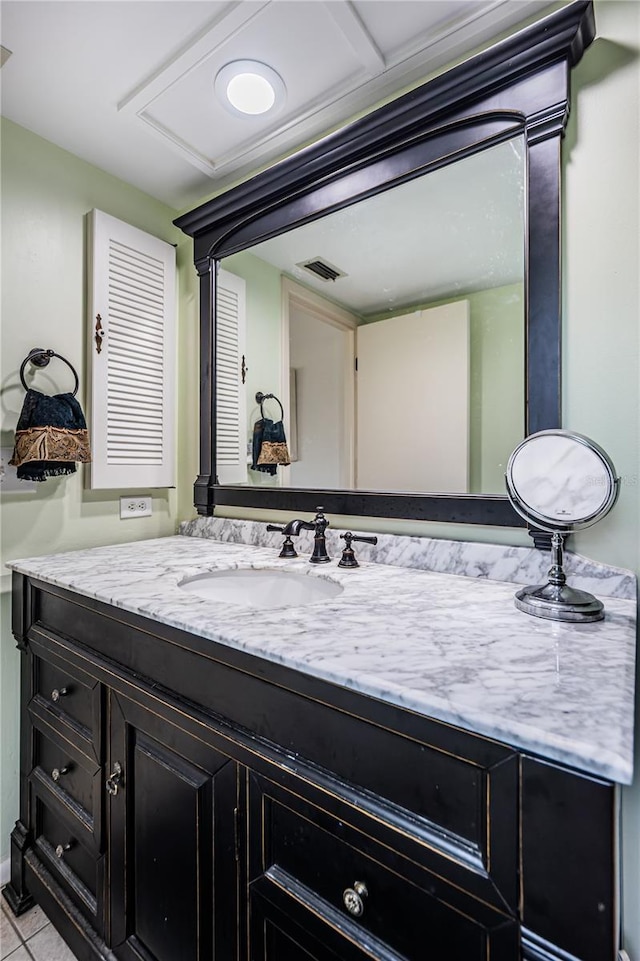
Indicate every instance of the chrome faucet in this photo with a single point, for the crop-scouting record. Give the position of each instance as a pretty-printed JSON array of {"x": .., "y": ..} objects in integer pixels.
[{"x": 319, "y": 524}]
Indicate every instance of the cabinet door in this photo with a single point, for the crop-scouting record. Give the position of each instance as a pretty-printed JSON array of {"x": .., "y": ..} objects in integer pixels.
[{"x": 173, "y": 810}]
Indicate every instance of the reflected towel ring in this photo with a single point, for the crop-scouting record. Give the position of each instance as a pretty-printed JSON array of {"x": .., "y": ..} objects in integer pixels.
[
  {"x": 260, "y": 398},
  {"x": 40, "y": 358}
]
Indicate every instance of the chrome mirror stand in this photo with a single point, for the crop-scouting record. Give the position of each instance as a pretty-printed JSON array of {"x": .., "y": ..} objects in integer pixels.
[{"x": 556, "y": 599}]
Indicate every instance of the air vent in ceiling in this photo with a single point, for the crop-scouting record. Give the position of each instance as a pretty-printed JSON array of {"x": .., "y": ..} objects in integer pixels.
[{"x": 321, "y": 268}]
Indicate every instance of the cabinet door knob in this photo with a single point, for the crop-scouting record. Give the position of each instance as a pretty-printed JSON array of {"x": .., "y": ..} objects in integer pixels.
[
  {"x": 353, "y": 898},
  {"x": 59, "y": 692},
  {"x": 61, "y": 849},
  {"x": 113, "y": 782},
  {"x": 57, "y": 772}
]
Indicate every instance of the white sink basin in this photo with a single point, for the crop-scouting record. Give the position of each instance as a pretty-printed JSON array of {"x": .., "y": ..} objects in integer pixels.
[{"x": 263, "y": 589}]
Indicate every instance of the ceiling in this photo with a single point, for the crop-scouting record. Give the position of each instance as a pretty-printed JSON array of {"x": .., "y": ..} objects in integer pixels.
[{"x": 127, "y": 85}]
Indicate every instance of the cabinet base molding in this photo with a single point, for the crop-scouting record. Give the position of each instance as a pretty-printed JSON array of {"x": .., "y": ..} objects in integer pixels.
[
  {"x": 18, "y": 904},
  {"x": 64, "y": 915},
  {"x": 16, "y": 893}
]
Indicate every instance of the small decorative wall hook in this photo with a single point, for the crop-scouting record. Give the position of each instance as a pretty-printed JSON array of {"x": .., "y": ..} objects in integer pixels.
[
  {"x": 99, "y": 333},
  {"x": 243, "y": 369}
]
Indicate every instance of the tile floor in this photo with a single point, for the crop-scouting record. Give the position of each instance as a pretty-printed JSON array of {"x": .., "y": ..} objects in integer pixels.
[{"x": 31, "y": 937}]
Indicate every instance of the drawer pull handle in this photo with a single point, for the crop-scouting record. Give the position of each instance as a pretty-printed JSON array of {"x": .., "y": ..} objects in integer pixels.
[
  {"x": 353, "y": 898},
  {"x": 57, "y": 772},
  {"x": 113, "y": 782},
  {"x": 59, "y": 692},
  {"x": 61, "y": 849}
]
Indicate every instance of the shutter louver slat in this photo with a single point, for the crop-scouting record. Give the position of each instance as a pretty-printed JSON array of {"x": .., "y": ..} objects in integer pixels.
[
  {"x": 127, "y": 303},
  {"x": 147, "y": 327},
  {"x": 126, "y": 274},
  {"x": 132, "y": 367}
]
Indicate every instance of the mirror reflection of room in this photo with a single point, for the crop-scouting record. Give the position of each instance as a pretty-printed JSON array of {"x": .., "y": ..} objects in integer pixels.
[{"x": 393, "y": 332}]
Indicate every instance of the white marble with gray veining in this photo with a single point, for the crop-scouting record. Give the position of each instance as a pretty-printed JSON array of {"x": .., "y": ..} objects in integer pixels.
[
  {"x": 449, "y": 647},
  {"x": 518, "y": 565}
]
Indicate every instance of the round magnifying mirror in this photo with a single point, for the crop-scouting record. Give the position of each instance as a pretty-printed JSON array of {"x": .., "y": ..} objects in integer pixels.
[{"x": 560, "y": 482}]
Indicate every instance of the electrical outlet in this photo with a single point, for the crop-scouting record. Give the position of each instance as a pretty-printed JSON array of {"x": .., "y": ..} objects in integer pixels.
[{"x": 135, "y": 507}]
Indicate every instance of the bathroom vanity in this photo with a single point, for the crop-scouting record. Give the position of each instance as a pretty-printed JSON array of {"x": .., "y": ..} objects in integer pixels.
[{"x": 410, "y": 768}]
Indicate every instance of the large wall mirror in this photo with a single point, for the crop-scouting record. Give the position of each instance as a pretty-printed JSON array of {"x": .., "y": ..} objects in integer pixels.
[{"x": 399, "y": 291}]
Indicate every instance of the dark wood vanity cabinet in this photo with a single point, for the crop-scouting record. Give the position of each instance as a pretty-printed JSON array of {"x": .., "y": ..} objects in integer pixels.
[{"x": 185, "y": 801}]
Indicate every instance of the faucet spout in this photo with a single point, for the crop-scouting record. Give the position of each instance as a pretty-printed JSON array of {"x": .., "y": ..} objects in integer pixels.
[{"x": 293, "y": 528}]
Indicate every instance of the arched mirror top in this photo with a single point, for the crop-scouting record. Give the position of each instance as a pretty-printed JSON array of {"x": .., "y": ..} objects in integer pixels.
[{"x": 518, "y": 88}]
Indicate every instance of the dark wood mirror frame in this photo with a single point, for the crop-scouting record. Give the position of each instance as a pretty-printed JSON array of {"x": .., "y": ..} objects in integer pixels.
[{"x": 517, "y": 87}]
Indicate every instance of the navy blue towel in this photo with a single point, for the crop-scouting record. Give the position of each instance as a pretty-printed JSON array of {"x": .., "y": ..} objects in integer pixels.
[{"x": 51, "y": 436}]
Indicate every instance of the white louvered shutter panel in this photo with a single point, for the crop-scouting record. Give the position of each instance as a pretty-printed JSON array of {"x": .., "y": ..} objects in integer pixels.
[
  {"x": 231, "y": 420},
  {"x": 132, "y": 422}
]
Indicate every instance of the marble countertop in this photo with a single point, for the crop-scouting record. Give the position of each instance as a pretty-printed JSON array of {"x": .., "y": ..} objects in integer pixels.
[{"x": 449, "y": 647}]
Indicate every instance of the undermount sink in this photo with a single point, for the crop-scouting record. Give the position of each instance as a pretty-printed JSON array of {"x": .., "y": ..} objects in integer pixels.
[{"x": 262, "y": 589}]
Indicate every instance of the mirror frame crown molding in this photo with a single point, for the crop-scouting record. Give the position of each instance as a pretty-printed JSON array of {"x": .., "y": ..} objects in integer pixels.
[{"x": 519, "y": 86}]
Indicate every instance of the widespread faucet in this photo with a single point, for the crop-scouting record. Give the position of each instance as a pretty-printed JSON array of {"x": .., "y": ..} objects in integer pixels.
[{"x": 319, "y": 524}]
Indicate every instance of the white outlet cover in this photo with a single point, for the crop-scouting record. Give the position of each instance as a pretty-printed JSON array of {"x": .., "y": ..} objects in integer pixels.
[{"x": 135, "y": 507}]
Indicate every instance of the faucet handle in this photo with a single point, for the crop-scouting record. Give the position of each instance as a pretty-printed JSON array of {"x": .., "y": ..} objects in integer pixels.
[
  {"x": 288, "y": 550},
  {"x": 348, "y": 558},
  {"x": 364, "y": 540}
]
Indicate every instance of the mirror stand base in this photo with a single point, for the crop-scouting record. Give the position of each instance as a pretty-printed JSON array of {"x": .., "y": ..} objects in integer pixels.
[{"x": 559, "y": 603}]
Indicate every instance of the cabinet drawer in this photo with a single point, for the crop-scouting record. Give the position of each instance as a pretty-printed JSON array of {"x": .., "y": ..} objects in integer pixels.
[
  {"x": 363, "y": 889},
  {"x": 65, "y": 689},
  {"x": 62, "y": 847},
  {"x": 279, "y": 933},
  {"x": 61, "y": 769}
]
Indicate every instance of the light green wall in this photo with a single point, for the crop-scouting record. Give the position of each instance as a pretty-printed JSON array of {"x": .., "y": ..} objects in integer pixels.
[
  {"x": 602, "y": 320},
  {"x": 497, "y": 371},
  {"x": 46, "y": 194}
]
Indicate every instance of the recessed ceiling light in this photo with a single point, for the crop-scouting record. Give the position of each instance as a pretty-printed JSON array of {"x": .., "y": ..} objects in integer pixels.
[{"x": 247, "y": 87}]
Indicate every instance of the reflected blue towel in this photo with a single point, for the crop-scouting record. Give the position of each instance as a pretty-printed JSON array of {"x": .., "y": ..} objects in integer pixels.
[{"x": 265, "y": 430}]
